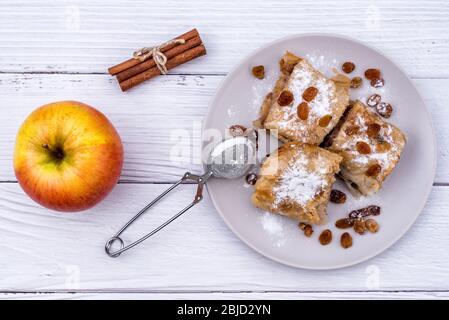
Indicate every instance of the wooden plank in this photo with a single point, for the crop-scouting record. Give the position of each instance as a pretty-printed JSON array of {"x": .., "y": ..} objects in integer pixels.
[
  {"x": 90, "y": 36},
  {"x": 420, "y": 295},
  {"x": 152, "y": 120},
  {"x": 44, "y": 250}
]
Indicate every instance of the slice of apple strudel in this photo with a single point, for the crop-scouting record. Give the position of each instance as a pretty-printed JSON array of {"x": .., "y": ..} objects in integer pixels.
[
  {"x": 304, "y": 105},
  {"x": 296, "y": 181},
  {"x": 370, "y": 147}
]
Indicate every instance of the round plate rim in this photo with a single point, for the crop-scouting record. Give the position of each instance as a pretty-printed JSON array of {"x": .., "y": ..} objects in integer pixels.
[{"x": 434, "y": 146}]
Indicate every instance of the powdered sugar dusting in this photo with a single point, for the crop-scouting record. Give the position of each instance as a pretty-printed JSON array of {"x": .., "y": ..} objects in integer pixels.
[
  {"x": 383, "y": 158},
  {"x": 302, "y": 78},
  {"x": 299, "y": 184}
]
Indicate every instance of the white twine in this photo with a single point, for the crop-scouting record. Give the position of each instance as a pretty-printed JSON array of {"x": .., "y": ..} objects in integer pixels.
[{"x": 159, "y": 58}]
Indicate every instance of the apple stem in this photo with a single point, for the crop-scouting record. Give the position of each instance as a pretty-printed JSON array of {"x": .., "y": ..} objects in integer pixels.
[{"x": 56, "y": 152}]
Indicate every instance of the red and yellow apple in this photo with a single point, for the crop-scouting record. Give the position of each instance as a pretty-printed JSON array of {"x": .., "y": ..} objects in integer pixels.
[{"x": 68, "y": 156}]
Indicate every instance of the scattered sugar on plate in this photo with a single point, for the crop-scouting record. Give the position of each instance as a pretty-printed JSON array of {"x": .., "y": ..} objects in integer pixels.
[
  {"x": 233, "y": 116},
  {"x": 323, "y": 62},
  {"x": 326, "y": 63},
  {"x": 261, "y": 88},
  {"x": 274, "y": 225},
  {"x": 362, "y": 201},
  {"x": 231, "y": 112},
  {"x": 366, "y": 90}
]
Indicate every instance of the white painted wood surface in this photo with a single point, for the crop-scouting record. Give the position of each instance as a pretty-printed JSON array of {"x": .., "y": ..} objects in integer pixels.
[
  {"x": 431, "y": 295},
  {"x": 51, "y": 251},
  {"x": 60, "y": 50}
]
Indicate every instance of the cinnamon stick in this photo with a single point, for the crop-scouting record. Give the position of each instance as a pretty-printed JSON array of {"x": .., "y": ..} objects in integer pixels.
[
  {"x": 150, "y": 63},
  {"x": 171, "y": 63},
  {"x": 133, "y": 62}
]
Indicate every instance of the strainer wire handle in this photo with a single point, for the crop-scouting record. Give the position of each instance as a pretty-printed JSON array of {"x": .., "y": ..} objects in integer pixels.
[{"x": 200, "y": 180}]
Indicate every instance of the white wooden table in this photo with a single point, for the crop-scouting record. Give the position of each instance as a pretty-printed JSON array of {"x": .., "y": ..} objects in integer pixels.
[{"x": 59, "y": 50}]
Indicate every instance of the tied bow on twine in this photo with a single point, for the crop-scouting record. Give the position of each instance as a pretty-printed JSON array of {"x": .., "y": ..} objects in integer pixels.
[{"x": 159, "y": 58}]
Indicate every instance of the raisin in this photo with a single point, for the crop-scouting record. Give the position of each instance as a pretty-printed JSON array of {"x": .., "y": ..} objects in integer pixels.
[
  {"x": 352, "y": 130},
  {"x": 377, "y": 83},
  {"x": 303, "y": 111},
  {"x": 251, "y": 179},
  {"x": 363, "y": 147},
  {"x": 344, "y": 223},
  {"x": 259, "y": 72},
  {"x": 364, "y": 212},
  {"x": 302, "y": 225},
  {"x": 308, "y": 230},
  {"x": 324, "y": 120},
  {"x": 356, "y": 82},
  {"x": 337, "y": 196},
  {"x": 309, "y": 94},
  {"x": 373, "y": 130},
  {"x": 285, "y": 98},
  {"x": 382, "y": 146},
  {"x": 359, "y": 226},
  {"x": 384, "y": 109},
  {"x": 348, "y": 67},
  {"x": 237, "y": 130},
  {"x": 373, "y": 170},
  {"x": 373, "y": 100},
  {"x": 325, "y": 237},
  {"x": 371, "y": 225},
  {"x": 346, "y": 240},
  {"x": 371, "y": 74}
]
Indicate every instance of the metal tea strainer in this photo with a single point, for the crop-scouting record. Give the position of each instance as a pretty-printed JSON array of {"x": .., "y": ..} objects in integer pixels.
[{"x": 230, "y": 159}]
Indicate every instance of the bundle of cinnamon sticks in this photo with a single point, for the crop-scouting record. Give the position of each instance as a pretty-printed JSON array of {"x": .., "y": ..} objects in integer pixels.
[{"x": 134, "y": 71}]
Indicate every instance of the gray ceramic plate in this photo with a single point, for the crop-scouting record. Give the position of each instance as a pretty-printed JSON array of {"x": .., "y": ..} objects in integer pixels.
[{"x": 403, "y": 195}]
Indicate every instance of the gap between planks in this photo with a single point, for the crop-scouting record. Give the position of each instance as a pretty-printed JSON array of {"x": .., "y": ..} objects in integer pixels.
[
  {"x": 436, "y": 184},
  {"x": 220, "y": 74},
  {"x": 235, "y": 295},
  {"x": 211, "y": 74},
  {"x": 131, "y": 291}
]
